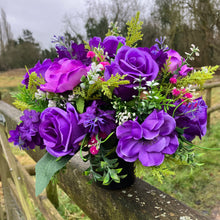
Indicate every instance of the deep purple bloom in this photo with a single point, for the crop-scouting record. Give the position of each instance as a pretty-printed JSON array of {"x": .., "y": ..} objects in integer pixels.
[
  {"x": 96, "y": 120},
  {"x": 192, "y": 117},
  {"x": 63, "y": 75},
  {"x": 149, "y": 141},
  {"x": 71, "y": 51},
  {"x": 95, "y": 42},
  {"x": 176, "y": 61},
  {"x": 39, "y": 68},
  {"x": 158, "y": 55},
  {"x": 26, "y": 135},
  {"x": 110, "y": 44},
  {"x": 60, "y": 130},
  {"x": 63, "y": 52},
  {"x": 79, "y": 53},
  {"x": 135, "y": 63}
]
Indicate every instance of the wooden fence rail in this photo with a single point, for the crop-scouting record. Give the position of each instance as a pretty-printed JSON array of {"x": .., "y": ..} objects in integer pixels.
[
  {"x": 140, "y": 201},
  {"x": 18, "y": 187},
  {"x": 208, "y": 87}
]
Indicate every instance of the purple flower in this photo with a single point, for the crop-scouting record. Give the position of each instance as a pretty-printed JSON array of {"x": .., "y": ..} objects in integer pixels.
[
  {"x": 192, "y": 117},
  {"x": 71, "y": 50},
  {"x": 63, "y": 75},
  {"x": 60, "y": 130},
  {"x": 39, "y": 68},
  {"x": 95, "y": 42},
  {"x": 26, "y": 135},
  {"x": 96, "y": 120},
  {"x": 176, "y": 62},
  {"x": 63, "y": 52},
  {"x": 110, "y": 44},
  {"x": 80, "y": 53},
  {"x": 149, "y": 141},
  {"x": 135, "y": 63},
  {"x": 158, "y": 55}
]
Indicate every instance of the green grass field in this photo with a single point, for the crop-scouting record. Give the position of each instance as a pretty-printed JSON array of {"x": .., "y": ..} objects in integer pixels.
[{"x": 198, "y": 188}]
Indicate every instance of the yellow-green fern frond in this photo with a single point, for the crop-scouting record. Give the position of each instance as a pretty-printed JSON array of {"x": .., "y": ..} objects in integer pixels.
[
  {"x": 86, "y": 45},
  {"x": 34, "y": 82},
  {"x": 134, "y": 31},
  {"x": 21, "y": 105},
  {"x": 113, "y": 82},
  {"x": 198, "y": 77}
]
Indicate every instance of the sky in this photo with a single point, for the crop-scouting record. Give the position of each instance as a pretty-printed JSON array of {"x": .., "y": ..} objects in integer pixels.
[{"x": 44, "y": 18}]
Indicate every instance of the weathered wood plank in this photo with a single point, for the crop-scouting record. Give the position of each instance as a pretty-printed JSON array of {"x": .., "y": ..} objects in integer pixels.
[
  {"x": 44, "y": 205},
  {"x": 27, "y": 207},
  {"x": 52, "y": 194},
  {"x": 12, "y": 208},
  {"x": 29, "y": 168}
]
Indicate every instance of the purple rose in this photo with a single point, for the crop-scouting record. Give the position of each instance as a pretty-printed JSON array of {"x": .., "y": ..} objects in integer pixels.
[
  {"x": 63, "y": 75},
  {"x": 135, "y": 63},
  {"x": 192, "y": 117},
  {"x": 110, "y": 44},
  {"x": 60, "y": 130},
  {"x": 176, "y": 62},
  {"x": 39, "y": 68},
  {"x": 149, "y": 141}
]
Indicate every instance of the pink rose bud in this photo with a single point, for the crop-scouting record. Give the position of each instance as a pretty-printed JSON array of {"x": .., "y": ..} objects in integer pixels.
[
  {"x": 173, "y": 80},
  {"x": 92, "y": 141},
  {"x": 93, "y": 150},
  {"x": 188, "y": 95},
  {"x": 90, "y": 54},
  {"x": 175, "y": 92},
  {"x": 104, "y": 64},
  {"x": 183, "y": 91}
]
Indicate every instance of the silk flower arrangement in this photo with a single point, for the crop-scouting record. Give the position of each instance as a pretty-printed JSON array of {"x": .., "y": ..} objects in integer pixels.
[{"x": 111, "y": 100}]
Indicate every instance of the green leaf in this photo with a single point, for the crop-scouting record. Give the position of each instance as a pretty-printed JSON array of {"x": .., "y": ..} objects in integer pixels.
[
  {"x": 106, "y": 179},
  {"x": 119, "y": 46},
  {"x": 114, "y": 176},
  {"x": 80, "y": 103},
  {"x": 46, "y": 167}
]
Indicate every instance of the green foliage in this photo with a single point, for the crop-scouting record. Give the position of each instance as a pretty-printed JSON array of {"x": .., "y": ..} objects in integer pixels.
[
  {"x": 46, "y": 167},
  {"x": 134, "y": 31},
  {"x": 25, "y": 100},
  {"x": 159, "y": 172},
  {"x": 113, "y": 30},
  {"x": 21, "y": 105},
  {"x": 108, "y": 86},
  {"x": 103, "y": 168},
  {"x": 34, "y": 82},
  {"x": 198, "y": 77},
  {"x": 25, "y": 97},
  {"x": 99, "y": 88},
  {"x": 80, "y": 103}
]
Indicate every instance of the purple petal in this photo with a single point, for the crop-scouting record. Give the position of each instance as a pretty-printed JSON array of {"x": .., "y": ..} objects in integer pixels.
[{"x": 150, "y": 159}]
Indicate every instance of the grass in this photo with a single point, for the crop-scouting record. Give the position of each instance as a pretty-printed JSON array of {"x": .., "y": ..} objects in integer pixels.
[{"x": 198, "y": 188}]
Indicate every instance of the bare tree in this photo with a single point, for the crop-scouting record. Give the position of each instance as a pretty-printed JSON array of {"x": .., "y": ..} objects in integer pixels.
[
  {"x": 97, "y": 11},
  {"x": 5, "y": 31}
]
